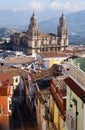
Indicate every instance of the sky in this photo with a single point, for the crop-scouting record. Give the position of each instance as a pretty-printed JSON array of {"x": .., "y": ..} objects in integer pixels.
[{"x": 42, "y": 5}]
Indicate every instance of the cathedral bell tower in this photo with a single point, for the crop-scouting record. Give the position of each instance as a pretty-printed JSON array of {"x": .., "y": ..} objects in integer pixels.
[
  {"x": 33, "y": 34},
  {"x": 62, "y": 28},
  {"x": 33, "y": 26},
  {"x": 62, "y": 34}
]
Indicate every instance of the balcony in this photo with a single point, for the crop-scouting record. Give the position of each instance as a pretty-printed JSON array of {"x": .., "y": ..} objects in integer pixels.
[{"x": 77, "y": 74}]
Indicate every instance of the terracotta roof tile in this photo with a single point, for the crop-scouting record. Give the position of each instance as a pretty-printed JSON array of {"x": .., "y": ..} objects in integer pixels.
[
  {"x": 44, "y": 73},
  {"x": 6, "y": 76},
  {"x": 59, "y": 101},
  {"x": 19, "y": 60},
  {"x": 50, "y": 54},
  {"x": 58, "y": 93},
  {"x": 75, "y": 88},
  {"x": 9, "y": 76}
]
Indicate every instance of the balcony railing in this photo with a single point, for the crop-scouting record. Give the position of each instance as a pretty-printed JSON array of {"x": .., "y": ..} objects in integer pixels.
[{"x": 78, "y": 75}]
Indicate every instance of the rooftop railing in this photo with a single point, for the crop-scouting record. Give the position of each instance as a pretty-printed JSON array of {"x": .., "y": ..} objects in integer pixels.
[{"x": 78, "y": 75}]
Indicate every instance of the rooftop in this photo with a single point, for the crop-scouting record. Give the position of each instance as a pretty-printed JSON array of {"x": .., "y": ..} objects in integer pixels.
[
  {"x": 8, "y": 75},
  {"x": 19, "y": 60},
  {"x": 58, "y": 93},
  {"x": 51, "y": 54},
  {"x": 44, "y": 35},
  {"x": 75, "y": 88}
]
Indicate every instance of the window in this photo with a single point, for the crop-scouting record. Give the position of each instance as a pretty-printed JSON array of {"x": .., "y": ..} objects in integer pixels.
[
  {"x": 10, "y": 106},
  {"x": 74, "y": 113},
  {"x": 1, "y": 110},
  {"x": 16, "y": 80}
]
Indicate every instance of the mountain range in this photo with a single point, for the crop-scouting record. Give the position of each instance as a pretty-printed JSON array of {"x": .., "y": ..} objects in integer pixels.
[
  {"x": 75, "y": 23},
  {"x": 19, "y": 21}
]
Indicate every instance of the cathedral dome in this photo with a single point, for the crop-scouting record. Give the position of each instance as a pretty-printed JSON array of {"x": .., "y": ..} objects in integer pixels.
[
  {"x": 62, "y": 20},
  {"x": 33, "y": 17},
  {"x": 62, "y": 17},
  {"x": 33, "y": 26}
]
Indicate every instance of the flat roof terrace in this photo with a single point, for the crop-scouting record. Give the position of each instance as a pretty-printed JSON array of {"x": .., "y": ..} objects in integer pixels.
[{"x": 18, "y": 60}]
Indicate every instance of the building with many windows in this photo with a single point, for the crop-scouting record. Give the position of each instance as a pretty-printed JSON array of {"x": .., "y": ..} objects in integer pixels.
[{"x": 34, "y": 41}]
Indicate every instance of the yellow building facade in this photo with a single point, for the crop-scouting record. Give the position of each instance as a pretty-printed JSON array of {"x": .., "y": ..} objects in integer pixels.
[
  {"x": 51, "y": 114},
  {"x": 57, "y": 120}
]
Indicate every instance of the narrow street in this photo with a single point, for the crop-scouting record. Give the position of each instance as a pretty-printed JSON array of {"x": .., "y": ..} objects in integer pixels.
[{"x": 21, "y": 119}]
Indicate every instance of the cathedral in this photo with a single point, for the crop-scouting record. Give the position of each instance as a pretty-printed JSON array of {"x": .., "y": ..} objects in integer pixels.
[{"x": 33, "y": 41}]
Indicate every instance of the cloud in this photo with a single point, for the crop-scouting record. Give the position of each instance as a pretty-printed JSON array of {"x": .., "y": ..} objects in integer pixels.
[
  {"x": 31, "y": 5},
  {"x": 42, "y": 5},
  {"x": 78, "y": 6},
  {"x": 37, "y": 5},
  {"x": 72, "y": 5},
  {"x": 55, "y": 5},
  {"x": 67, "y": 5}
]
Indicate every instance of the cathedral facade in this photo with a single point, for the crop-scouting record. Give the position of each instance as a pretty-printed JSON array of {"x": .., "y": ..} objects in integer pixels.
[{"x": 34, "y": 41}]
